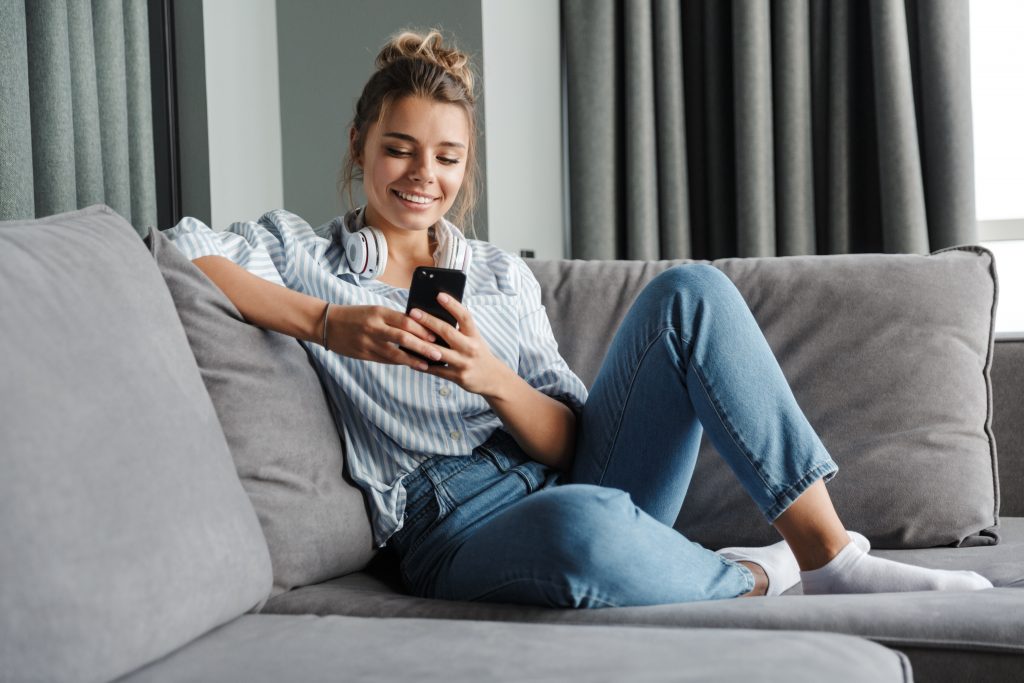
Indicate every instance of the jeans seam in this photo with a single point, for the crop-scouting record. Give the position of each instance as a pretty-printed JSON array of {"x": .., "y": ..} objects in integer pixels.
[
  {"x": 629, "y": 392},
  {"x": 747, "y": 453}
]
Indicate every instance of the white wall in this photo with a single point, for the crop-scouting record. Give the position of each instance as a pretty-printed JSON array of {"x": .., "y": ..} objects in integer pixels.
[
  {"x": 243, "y": 109},
  {"x": 522, "y": 126}
]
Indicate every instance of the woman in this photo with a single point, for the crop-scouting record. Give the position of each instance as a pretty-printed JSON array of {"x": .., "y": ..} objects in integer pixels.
[{"x": 495, "y": 477}]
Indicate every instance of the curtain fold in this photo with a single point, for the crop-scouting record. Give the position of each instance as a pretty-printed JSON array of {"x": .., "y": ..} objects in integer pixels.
[
  {"x": 708, "y": 129},
  {"x": 75, "y": 106}
]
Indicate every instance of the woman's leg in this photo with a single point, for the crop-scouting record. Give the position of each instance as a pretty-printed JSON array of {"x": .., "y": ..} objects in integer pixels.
[
  {"x": 688, "y": 355},
  {"x": 690, "y": 349},
  {"x": 577, "y": 545}
]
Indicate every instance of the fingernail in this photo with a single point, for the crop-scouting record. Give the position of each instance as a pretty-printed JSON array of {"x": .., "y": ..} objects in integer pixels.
[
  {"x": 442, "y": 297},
  {"x": 422, "y": 367},
  {"x": 416, "y": 314},
  {"x": 436, "y": 355}
]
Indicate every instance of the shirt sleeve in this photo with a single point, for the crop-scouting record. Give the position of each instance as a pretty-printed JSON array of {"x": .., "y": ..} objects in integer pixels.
[
  {"x": 540, "y": 363},
  {"x": 249, "y": 245}
]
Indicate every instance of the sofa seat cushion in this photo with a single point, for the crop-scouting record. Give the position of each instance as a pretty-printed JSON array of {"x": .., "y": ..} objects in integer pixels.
[
  {"x": 307, "y": 648},
  {"x": 125, "y": 532},
  {"x": 952, "y": 632},
  {"x": 280, "y": 429},
  {"x": 889, "y": 357}
]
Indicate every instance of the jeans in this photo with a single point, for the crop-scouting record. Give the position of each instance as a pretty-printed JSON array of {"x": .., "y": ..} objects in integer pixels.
[{"x": 498, "y": 526}]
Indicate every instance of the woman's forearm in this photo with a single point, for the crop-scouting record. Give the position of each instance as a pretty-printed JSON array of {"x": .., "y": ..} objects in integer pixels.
[
  {"x": 264, "y": 303},
  {"x": 544, "y": 427}
]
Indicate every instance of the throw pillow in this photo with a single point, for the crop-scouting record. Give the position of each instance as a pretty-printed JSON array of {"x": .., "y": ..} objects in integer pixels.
[{"x": 279, "y": 427}]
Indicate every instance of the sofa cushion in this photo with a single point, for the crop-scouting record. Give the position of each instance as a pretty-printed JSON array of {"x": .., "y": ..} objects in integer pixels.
[
  {"x": 889, "y": 357},
  {"x": 125, "y": 531},
  {"x": 278, "y": 425},
  {"x": 305, "y": 648},
  {"x": 970, "y": 636}
]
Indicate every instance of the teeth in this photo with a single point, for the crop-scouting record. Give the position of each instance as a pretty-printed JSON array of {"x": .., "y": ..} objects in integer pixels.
[{"x": 415, "y": 198}]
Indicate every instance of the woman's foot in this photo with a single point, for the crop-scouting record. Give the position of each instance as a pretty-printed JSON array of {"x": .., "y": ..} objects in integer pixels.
[
  {"x": 778, "y": 562},
  {"x": 854, "y": 571}
]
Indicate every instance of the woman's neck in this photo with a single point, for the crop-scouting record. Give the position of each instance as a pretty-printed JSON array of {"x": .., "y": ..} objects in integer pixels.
[{"x": 407, "y": 250}]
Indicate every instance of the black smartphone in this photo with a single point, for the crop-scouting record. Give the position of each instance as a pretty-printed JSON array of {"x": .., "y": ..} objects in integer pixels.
[{"x": 427, "y": 283}]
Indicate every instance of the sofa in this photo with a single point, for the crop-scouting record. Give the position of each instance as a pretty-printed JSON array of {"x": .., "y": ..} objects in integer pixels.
[{"x": 174, "y": 506}]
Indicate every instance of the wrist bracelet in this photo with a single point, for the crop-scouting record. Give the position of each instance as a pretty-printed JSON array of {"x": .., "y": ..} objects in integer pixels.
[{"x": 327, "y": 309}]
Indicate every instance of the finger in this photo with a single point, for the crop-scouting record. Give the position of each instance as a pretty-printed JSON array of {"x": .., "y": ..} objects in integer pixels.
[
  {"x": 397, "y": 356},
  {"x": 404, "y": 322},
  {"x": 461, "y": 313},
  {"x": 414, "y": 343},
  {"x": 436, "y": 325}
]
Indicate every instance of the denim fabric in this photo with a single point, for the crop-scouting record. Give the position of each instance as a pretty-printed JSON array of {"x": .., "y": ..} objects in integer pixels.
[{"x": 500, "y": 527}]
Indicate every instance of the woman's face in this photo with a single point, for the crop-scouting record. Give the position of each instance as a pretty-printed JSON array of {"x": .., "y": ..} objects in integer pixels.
[{"x": 414, "y": 162}]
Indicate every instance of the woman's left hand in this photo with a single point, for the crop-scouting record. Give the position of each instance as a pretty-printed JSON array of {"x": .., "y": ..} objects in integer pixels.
[{"x": 471, "y": 364}]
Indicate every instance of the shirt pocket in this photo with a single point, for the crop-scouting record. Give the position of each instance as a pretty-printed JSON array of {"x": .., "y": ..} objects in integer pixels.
[{"x": 497, "y": 320}]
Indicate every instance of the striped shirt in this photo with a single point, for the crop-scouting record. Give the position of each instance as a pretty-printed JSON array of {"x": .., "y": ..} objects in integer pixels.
[{"x": 392, "y": 417}]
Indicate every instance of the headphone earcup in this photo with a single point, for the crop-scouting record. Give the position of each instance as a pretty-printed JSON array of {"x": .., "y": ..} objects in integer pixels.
[
  {"x": 453, "y": 252},
  {"x": 367, "y": 252}
]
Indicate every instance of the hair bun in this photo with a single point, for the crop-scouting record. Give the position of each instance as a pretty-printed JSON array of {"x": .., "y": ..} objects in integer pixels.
[{"x": 430, "y": 48}]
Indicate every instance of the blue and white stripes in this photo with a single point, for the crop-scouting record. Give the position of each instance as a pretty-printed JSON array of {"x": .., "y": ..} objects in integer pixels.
[{"x": 393, "y": 417}]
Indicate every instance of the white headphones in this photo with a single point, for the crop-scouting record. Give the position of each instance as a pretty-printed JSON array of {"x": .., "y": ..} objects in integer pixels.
[{"x": 366, "y": 248}]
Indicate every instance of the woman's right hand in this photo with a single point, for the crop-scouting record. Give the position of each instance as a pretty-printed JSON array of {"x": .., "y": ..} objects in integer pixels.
[{"x": 375, "y": 332}]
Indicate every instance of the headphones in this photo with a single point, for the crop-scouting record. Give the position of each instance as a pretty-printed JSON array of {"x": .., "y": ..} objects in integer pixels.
[{"x": 366, "y": 248}]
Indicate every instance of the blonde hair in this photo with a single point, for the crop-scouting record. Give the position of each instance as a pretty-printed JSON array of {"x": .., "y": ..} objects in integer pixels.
[{"x": 411, "y": 64}]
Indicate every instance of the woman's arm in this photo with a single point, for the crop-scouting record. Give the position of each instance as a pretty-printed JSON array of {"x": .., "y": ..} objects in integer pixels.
[
  {"x": 365, "y": 332},
  {"x": 544, "y": 427},
  {"x": 264, "y": 303}
]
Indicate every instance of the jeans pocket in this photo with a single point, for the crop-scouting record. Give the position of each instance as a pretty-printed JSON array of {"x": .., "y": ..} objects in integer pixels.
[{"x": 524, "y": 469}]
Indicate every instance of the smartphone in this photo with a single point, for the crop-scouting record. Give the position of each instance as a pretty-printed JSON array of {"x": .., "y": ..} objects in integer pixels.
[{"x": 427, "y": 283}]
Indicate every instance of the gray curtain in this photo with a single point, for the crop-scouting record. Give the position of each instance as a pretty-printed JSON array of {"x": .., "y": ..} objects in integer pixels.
[
  {"x": 75, "y": 113},
  {"x": 709, "y": 128}
]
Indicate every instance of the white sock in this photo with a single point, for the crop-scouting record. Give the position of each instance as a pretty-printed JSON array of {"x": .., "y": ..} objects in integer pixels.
[
  {"x": 778, "y": 561},
  {"x": 854, "y": 571}
]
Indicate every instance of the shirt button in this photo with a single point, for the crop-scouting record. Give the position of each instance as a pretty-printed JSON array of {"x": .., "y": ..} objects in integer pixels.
[
  {"x": 444, "y": 391},
  {"x": 455, "y": 435}
]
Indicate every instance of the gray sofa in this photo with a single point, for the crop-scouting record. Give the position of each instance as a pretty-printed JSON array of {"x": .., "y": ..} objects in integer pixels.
[{"x": 172, "y": 505}]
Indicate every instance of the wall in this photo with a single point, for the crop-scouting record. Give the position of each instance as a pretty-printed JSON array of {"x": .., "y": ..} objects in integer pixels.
[
  {"x": 522, "y": 76},
  {"x": 267, "y": 90},
  {"x": 230, "y": 121},
  {"x": 326, "y": 51}
]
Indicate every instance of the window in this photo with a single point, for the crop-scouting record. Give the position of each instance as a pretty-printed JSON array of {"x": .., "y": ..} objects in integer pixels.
[{"x": 997, "y": 83}]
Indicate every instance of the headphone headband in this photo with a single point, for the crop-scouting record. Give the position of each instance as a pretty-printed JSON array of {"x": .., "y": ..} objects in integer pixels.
[{"x": 366, "y": 247}]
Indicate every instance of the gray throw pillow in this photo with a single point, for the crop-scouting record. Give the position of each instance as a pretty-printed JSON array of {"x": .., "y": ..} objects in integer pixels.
[
  {"x": 124, "y": 530},
  {"x": 887, "y": 354},
  {"x": 279, "y": 427}
]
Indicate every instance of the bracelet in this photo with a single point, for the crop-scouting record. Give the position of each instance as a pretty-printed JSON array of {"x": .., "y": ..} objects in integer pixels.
[{"x": 327, "y": 310}]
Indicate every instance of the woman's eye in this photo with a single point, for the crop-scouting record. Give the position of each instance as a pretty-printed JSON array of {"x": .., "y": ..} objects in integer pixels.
[
  {"x": 395, "y": 152},
  {"x": 448, "y": 160}
]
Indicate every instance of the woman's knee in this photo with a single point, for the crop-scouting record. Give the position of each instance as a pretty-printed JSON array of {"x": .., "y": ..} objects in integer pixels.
[
  {"x": 690, "y": 288},
  {"x": 702, "y": 277}
]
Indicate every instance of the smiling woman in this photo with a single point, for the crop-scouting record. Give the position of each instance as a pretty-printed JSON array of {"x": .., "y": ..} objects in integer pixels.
[{"x": 492, "y": 475}]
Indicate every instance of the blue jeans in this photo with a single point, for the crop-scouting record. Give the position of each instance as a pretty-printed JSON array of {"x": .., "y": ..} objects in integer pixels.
[{"x": 498, "y": 526}]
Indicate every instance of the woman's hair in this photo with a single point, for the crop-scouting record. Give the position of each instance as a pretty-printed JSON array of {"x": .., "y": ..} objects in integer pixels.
[{"x": 411, "y": 64}]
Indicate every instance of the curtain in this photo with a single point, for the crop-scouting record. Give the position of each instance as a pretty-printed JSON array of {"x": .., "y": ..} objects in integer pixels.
[
  {"x": 75, "y": 113},
  {"x": 710, "y": 129}
]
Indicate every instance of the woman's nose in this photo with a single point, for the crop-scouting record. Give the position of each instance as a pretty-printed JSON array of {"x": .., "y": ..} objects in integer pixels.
[{"x": 422, "y": 169}]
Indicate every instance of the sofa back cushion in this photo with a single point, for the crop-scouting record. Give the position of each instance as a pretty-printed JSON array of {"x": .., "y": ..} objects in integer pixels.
[
  {"x": 889, "y": 357},
  {"x": 125, "y": 531},
  {"x": 279, "y": 427}
]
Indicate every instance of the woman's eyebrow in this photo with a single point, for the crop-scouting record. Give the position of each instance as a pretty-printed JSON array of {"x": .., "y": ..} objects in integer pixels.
[{"x": 409, "y": 138}]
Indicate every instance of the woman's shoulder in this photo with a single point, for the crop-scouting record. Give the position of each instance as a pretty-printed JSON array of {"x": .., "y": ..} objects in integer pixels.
[{"x": 497, "y": 267}]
